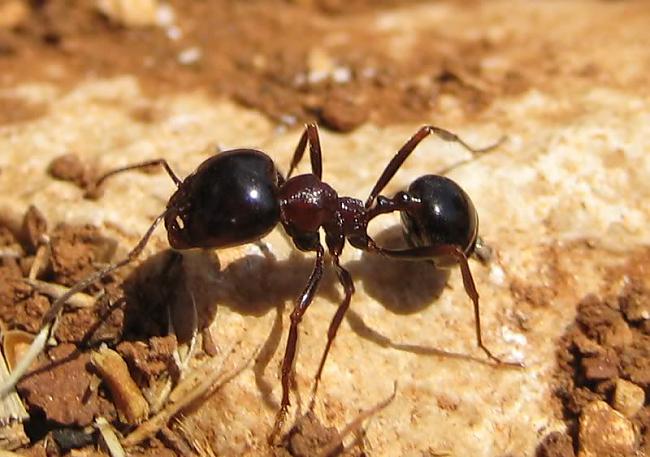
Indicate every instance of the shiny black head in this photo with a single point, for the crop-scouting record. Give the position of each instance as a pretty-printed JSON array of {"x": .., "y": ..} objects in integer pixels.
[
  {"x": 231, "y": 199},
  {"x": 446, "y": 214}
]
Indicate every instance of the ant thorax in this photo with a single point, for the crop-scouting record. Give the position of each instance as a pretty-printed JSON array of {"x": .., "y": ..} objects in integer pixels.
[{"x": 306, "y": 204}]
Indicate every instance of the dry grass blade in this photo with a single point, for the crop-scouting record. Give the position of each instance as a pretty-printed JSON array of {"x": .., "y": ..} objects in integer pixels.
[
  {"x": 111, "y": 441},
  {"x": 41, "y": 261},
  {"x": 56, "y": 291},
  {"x": 12, "y": 414},
  {"x": 202, "y": 382},
  {"x": 198, "y": 439}
]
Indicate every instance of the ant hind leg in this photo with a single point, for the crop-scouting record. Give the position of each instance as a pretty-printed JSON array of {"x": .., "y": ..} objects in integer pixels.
[{"x": 446, "y": 251}]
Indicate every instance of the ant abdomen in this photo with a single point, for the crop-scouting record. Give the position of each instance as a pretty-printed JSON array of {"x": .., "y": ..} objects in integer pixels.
[
  {"x": 445, "y": 215},
  {"x": 231, "y": 199}
]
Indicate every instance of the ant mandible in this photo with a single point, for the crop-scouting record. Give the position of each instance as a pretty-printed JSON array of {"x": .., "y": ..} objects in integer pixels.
[{"x": 239, "y": 196}]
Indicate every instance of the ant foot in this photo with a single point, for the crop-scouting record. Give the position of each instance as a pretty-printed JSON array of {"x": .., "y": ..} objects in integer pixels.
[
  {"x": 278, "y": 425},
  {"x": 500, "y": 362}
]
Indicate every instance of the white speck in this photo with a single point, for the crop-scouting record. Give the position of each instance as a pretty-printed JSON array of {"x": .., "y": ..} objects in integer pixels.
[
  {"x": 174, "y": 33},
  {"x": 190, "y": 56},
  {"x": 288, "y": 119},
  {"x": 497, "y": 275},
  {"x": 165, "y": 16},
  {"x": 517, "y": 356},
  {"x": 341, "y": 75},
  {"x": 513, "y": 337},
  {"x": 317, "y": 76},
  {"x": 254, "y": 249}
]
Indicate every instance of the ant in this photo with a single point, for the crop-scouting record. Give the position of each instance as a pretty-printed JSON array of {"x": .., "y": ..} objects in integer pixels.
[{"x": 238, "y": 196}]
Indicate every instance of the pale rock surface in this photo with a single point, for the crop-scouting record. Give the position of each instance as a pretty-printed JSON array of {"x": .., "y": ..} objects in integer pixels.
[{"x": 564, "y": 198}]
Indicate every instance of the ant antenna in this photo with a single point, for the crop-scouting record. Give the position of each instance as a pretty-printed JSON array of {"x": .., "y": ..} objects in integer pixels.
[{"x": 51, "y": 317}]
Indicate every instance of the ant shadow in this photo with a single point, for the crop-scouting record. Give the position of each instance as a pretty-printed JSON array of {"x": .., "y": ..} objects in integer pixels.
[
  {"x": 259, "y": 283},
  {"x": 403, "y": 287}
]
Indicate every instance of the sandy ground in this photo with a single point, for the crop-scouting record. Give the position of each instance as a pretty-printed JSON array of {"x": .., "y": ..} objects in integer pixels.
[{"x": 561, "y": 201}]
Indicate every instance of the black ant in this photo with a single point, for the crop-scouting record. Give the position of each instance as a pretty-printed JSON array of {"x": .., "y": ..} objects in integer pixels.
[{"x": 239, "y": 196}]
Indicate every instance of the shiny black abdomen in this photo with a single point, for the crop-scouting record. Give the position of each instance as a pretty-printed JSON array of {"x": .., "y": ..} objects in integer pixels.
[
  {"x": 446, "y": 214},
  {"x": 231, "y": 199}
]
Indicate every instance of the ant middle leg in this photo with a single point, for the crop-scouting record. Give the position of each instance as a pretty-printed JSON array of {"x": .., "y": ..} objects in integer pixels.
[
  {"x": 309, "y": 134},
  {"x": 445, "y": 253},
  {"x": 303, "y": 303},
  {"x": 406, "y": 150},
  {"x": 348, "y": 286}
]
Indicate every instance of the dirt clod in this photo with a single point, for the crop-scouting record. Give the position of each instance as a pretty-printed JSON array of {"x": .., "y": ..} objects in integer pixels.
[
  {"x": 76, "y": 250},
  {"x": 555, "y": 444},
  {"x": 61, "y": 388},
  {"x": 69, "y": 167},
  {"x": 343, "y": 112},
  {"x": 600, "y": 367},
  {"x": 309, "y": 437},
  {"x": 635, "y": 302},
  {"x": 149, "y": 360},
  {"x": 604, "y": 368},
  {"x": 34, "y": 228}
]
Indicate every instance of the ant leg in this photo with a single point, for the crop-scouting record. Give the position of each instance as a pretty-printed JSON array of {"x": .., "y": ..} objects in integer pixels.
[
  {"x": 444, "y": 252},
  {"x": 406, "y": 150},
  {"x": 346, "y": 281},
  {"x": 137, "y": 166},
  {"x": 292, "y": 340},
  {"x": 310, "y": 133},
  {"x": 50, "y": 318}
]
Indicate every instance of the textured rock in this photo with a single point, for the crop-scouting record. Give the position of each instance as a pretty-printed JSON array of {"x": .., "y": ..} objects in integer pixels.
[
  {"x": 605, "y": 432},
  {"x": 628, "y": 397}
]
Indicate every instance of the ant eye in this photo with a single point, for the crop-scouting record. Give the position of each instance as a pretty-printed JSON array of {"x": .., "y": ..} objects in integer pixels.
[{"x": 179, "y": 222}]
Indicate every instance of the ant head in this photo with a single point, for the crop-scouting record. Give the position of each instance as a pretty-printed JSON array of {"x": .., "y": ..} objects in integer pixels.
[
  {"x": 446, "y": 215},
  {"x": 231, "y": 199}
]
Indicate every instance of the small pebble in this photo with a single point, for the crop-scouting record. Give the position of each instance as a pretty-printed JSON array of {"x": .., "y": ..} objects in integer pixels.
[
  {"x": 628, "y": 398},
  {"x": 130, "y": 13},
  {"x": 605, "y": 432},
  {"x": 190, "y": 56}
]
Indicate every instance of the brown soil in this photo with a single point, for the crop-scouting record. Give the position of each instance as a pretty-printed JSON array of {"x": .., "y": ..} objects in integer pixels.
[
  {"x": 63, "y": 392},
  {"x": 262, "y": 59},
  {"x": 609, "y": 342}
]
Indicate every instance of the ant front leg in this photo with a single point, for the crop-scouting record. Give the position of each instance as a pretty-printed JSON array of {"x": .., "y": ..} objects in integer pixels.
[
  {"x": 148, "y": 164},
  {"x": 444, "y": 253},
  {"x": 309, "y": 134},
  {"x": 51, "y": 316},
  {"x": 303, "y": 303},
  {"x": 406, "y": 150}
]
